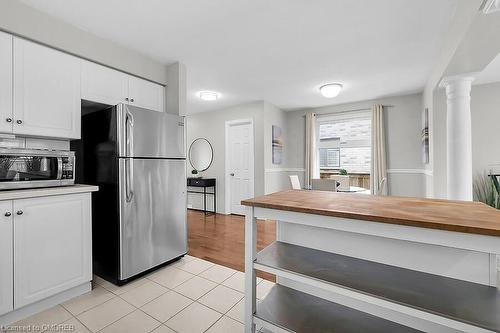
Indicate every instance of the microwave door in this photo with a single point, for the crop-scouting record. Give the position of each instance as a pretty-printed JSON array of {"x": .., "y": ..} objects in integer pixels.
[{"x": 150, "y": 134}]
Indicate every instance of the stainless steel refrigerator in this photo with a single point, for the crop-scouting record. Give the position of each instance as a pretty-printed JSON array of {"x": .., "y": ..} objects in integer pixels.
[{"x": 137, "y": 158}]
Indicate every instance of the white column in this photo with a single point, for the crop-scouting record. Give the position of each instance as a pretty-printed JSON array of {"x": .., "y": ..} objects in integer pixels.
[{"x": 458, "y": 137}]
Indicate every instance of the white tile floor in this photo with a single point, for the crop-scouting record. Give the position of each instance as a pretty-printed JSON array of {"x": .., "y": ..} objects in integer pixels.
[{"x": 190, "y": 296}]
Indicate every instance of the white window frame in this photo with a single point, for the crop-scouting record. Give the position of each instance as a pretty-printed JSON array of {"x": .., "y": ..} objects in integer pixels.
[{"x": 335, "y": 117}]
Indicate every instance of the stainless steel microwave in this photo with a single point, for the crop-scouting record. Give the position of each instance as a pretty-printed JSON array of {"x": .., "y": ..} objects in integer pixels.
[{"x": 29, "y": 168}]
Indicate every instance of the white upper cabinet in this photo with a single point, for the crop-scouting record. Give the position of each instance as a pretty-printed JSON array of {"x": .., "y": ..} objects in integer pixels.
[
  {"x": 108, "y": 86},
  {"x": 52, "y": 246},
  {"x": 46, "y": 91},
  {"x": 146, "y": 94},
  {"x": 103, "y": 85},
  {"x": 6, "y": 263},
  {"x": 5, "y": 83}
]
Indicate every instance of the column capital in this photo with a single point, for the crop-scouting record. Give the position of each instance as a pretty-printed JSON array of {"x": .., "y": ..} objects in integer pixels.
[{"x": 460, "y": 78}]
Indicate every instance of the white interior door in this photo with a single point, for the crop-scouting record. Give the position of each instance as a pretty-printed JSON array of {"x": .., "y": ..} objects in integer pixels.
[{"x": 240, "y": 164}]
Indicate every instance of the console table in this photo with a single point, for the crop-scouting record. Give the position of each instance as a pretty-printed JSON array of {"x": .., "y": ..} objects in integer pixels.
[{"x": 204, "y": 183}]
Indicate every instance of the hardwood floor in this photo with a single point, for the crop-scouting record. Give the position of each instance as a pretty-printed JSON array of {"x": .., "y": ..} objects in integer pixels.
[{"x": 221, "y": 239}]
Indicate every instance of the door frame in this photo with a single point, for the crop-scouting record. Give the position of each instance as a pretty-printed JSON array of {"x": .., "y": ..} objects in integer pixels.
[{"x": 227, "y": 178}]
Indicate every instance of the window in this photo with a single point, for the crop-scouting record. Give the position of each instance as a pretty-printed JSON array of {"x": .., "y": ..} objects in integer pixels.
[
  {"x": 345, "y": 142},
  {"x": 329, "y": 153}
]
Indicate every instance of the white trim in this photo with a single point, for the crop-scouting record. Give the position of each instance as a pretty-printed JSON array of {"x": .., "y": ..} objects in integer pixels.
[
  {"x": 285, "y": 170},
  {"x": 46, "y": 303},
  {"x": 227, "y": 188},
  {"x": 406, "y": 171}
]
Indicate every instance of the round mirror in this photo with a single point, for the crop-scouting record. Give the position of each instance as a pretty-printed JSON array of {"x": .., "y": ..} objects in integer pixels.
[{"x": 200, "y": 154}]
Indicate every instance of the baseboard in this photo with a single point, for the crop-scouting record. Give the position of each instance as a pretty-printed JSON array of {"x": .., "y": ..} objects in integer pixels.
[{"x": 47, "y": 303}]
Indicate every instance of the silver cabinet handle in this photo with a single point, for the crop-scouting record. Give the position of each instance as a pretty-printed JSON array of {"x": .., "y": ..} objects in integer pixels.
[
  {"x": 19, "y": 212},
  {"x": 8, "y": 214},
  {"x": 232, "y": 174},
  {"x": 9, "y": 120},
  {"x": 19, "y": 121},
  {"x": 132, "y": 100},
  {"x": 126, "y": 99}
]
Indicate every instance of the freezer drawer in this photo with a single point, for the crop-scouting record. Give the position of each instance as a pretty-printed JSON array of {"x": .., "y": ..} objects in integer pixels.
[
  {"x": 146, "y": 133},
  {"x": 152, "y": 213}
]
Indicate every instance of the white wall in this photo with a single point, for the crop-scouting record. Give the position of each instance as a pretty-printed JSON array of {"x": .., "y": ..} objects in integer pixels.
[
  {"x": 211, "y": 125},
  {"x": 470, "y": 44},
  {"x": 485, "y": 114},
  {"x": 276, "y": 175},
  {"x": 403, "y": 125},
  {"x": 20, "y": 19}
]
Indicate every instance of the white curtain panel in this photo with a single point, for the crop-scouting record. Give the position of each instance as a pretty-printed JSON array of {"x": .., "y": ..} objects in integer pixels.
[
  {"x": 378, "y": 176},
  {"x": 312, "y": 168}
]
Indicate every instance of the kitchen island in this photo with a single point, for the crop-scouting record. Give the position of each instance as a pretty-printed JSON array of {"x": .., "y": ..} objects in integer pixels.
[{"x": 398, "y": 264}]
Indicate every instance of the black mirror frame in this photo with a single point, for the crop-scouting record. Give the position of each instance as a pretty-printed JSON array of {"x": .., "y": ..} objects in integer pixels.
[{"x": 211, "y": 158}]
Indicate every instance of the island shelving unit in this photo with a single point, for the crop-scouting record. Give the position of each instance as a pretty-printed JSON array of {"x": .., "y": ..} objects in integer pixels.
[{"x": 357, "y": 263}]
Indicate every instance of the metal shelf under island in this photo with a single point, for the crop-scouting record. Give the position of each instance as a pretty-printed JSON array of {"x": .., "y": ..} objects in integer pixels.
[{"x": 356, "y": 263}]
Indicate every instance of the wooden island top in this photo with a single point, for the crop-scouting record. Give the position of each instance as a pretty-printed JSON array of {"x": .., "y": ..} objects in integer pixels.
[{"x": 459, "y": 216}]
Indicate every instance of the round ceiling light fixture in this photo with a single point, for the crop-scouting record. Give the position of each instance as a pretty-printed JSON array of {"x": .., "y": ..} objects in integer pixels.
[
  {"x": 330, "y": 90},
  {"x": 208, "y": 95}
]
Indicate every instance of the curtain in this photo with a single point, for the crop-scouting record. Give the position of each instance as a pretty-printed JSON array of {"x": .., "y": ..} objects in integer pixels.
[
  {"x": 378, "y": 176},
  {"x": 312, "y": 168}
]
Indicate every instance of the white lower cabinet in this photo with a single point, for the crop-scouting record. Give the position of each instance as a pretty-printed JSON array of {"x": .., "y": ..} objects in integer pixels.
[
  {"x": 6, "y": 263},
  {"x": 52, "y": 246}
]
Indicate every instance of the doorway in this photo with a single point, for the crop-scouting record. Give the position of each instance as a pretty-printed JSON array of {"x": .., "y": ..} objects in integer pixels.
[{"x": 239, "y": 164}]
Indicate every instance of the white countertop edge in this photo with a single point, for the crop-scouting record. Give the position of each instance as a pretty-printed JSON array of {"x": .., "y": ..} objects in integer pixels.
[{"x": 46, "y": 191}]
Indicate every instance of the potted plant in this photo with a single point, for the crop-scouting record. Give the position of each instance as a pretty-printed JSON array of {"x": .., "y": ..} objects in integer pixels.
[
  {"x": 343, "y": 172},
  {"x": 487, "y": 190}
]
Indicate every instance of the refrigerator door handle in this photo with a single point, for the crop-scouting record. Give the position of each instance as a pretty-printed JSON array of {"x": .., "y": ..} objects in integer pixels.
[
  {"x": 129, "y": 134},
  {"x": 129, "y": 179}
]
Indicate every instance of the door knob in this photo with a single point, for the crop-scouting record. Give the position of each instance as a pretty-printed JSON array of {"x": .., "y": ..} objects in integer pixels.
[
  {"x": 132, "y": 100},
  {"x": 19, "y": 212},
  {"x": 232, "y": 174},
  {"x": 126, "y": 98},
  {"x": 8, "y": 214},
  {"x": 19, "y": 121},
  {"x": 9, "y": 120}
]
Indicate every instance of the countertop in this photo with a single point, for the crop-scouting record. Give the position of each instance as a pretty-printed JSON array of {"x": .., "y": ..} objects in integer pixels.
[
  {"x": 460, "y": 216},
  {"x": 46, "y": 191}
]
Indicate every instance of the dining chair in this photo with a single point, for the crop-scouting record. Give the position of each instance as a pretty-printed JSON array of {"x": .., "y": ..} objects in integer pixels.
[
  {"x": 295, "y": 182},
  {"x": 343, "y": 180},
  {"x": 324, "y": 184}
]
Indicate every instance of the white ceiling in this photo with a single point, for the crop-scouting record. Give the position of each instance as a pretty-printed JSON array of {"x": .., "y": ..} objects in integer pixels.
[
  {"x": 491, "y": 73},
  {"x": 275, "y": 50}
]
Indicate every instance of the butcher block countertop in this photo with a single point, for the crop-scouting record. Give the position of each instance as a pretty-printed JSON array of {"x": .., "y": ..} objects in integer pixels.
[{"x": 459, "y": 216}]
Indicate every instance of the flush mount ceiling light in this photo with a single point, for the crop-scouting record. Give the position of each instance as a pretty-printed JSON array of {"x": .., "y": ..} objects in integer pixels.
[
  {"x": 208, "y": 95},
  {"x": 330, "y": 90}
]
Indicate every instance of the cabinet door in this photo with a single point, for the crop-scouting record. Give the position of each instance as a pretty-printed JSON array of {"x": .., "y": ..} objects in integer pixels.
[
  {"x": 5, "y": 83},
  {"x": 46, "y": 91},
  {"x": 52, "y": 246},
  {"x": 6, "y": 264},
  {"x": 146, "y": 94},
  {"x": 103, "y": 85}
]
